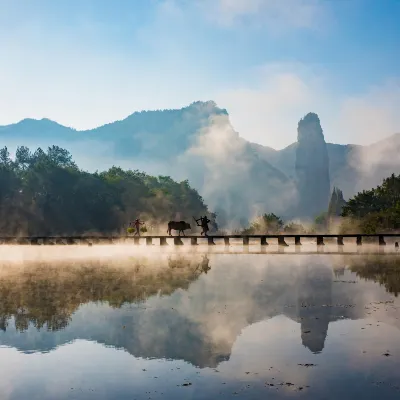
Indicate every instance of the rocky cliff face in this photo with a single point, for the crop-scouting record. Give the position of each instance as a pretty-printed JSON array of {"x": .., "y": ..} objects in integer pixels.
[{"x": 312, "y": 167}]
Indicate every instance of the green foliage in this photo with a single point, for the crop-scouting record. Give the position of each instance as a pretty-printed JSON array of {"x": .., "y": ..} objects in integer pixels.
[
  {"x": 376, "y": 210},
  {"x": 321, "y": 220},
  {"x": 294, "y": 228},
  {"x": 45, "y": 193},
  {"x": 267, "y": 223}
]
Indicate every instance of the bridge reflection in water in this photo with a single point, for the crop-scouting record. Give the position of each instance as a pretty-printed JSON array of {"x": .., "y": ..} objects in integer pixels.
[{"x": 177, "y": 316}]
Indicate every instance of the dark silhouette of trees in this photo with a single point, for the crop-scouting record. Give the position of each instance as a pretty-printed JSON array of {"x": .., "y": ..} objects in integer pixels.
[
  {"x": 45, "y": 193},
  {"x": 336, "y": 203},
  {"x": 377, "y": 209}
]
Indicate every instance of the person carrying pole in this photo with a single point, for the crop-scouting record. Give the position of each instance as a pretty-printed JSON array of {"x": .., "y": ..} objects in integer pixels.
[
  {"x": 203, "y": 222},
  {"x": 136, "y": 223}
]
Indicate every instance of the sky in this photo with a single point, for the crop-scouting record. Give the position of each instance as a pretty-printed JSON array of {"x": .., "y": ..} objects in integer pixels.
[{"x": 84, "y": 63}]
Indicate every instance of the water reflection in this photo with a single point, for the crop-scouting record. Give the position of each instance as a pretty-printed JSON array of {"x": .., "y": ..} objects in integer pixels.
[{"x": 199, "y": 310}]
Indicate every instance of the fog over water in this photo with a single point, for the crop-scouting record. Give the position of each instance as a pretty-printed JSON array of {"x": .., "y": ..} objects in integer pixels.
[{"x": 133, "y": 322}]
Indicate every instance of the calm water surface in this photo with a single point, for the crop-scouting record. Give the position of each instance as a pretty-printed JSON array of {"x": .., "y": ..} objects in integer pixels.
[{"x": 201, "y": 327}]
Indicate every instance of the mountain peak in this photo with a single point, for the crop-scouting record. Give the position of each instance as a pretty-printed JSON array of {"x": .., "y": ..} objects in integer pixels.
[
  {"x": 208, "y": 106},
  {"x": 309, "y": 128}
]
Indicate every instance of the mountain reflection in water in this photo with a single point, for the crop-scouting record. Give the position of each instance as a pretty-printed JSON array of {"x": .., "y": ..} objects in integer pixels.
[{"x": 198, "y": 309}]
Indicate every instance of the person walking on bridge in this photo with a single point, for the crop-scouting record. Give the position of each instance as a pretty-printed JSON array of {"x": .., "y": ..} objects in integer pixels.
[
  {"x": 136, "y": 223},
  {"x": 204, "y": 221}
]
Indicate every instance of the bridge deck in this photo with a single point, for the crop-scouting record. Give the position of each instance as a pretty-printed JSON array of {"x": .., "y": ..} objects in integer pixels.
[{"x": 116, "y": 237}]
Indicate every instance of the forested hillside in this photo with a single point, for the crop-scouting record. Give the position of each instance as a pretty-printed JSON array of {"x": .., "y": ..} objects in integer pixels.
[
  {"x": 375, "y": 210},
  {"x": 45, "y": 193},
  {"x": 236, "y": 178}
]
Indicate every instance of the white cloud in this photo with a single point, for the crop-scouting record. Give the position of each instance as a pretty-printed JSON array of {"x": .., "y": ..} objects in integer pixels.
[
  {"x": 267, "y": 111},
  {"x": 372, "y": 115},
  {"x": 279, "y": 15},
  {"x": 266, "y": 106}
]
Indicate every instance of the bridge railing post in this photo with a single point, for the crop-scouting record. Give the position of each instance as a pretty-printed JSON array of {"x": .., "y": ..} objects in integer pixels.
[
  {"x": 178, "y": 241},
  {"x": 210, "y": 240},
  {"x": 281, "y": 241}
]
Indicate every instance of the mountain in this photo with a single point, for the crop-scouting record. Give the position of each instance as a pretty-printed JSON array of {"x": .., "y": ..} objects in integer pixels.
[
  {"x": 196, "y": 142},
  {"x": 236, "y": 178},
  {"x": 352, "y": 168},
  {"x": 312, "y": 167}
]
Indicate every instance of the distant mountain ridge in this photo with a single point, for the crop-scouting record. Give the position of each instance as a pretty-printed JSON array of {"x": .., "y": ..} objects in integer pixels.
[{"x": 237, "y": 178}]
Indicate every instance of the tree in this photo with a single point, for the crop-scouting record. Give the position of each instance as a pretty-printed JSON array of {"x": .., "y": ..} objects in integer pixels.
[
  {"x": 378, "y": 209},
  {"x": 45, "y": 193},
  {"x": 336, "y": 203},
  {"x": 266, "y": 224}
]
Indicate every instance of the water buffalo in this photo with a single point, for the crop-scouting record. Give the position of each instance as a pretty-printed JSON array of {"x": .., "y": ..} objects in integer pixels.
[{"x": 180, "y": 226}]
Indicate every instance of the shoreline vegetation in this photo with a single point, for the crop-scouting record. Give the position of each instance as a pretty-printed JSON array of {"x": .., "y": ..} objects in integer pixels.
[
  {"x": 371, "y": 211},
  {"x": 46, "y": 193}
]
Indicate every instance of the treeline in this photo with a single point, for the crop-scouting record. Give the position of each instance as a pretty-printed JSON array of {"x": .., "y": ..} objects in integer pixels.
[
  {"x": 370, "y": 211},
  {"x": 46, "y": 193},
  {"x": 375, "y": 210}
]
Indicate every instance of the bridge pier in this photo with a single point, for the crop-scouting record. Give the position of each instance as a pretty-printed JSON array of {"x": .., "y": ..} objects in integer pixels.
[
  {"x": 136, "y": 240},
  {"x": 281, "y": 241},
  {"x": 264, "y": 241},
  {"x": 69, "y": 241},
  {"x": 382, "y": 240},
  {"x": 359, "y": 240},
  {"x": 163, "y": 241},
  {"x": 320, "y": 241},
  {"x": 340, "y": 241},
  {"x": 149, "y": 241},
  {"x": 297, "y": 241},
  {"x": 193, "y": 241},
  {"x": 35, "y": 242},
  {"x": 245, "y": 240},
  {"x": 226, "y": 241},
  {"x": 210, "y": 240},
  {"x": 178, "y": 241}
]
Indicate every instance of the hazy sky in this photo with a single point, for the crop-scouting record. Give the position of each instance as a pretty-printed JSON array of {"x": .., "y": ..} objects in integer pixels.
[{"x": 84, "y": 63}]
